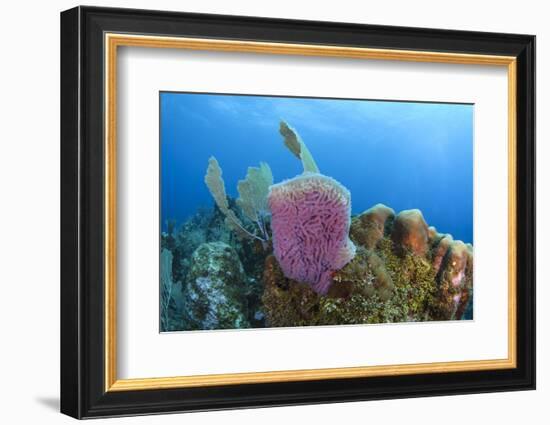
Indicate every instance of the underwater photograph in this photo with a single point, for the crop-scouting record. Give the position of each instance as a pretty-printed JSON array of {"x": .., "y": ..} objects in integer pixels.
[{"x": 281, "y": 211}]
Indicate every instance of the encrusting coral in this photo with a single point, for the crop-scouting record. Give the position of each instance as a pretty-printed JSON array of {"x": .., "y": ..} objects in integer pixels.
[
  {"x": 216, "y": 288},
  {"x": 410, "y": 232},
  {"x": 455, "y": 282},
  {"x": 369, "y": 227},
  {"x": 393, "y": 278}
]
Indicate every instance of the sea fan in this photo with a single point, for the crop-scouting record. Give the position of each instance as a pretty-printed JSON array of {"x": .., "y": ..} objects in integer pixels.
[{"x": 252, "y": 198}]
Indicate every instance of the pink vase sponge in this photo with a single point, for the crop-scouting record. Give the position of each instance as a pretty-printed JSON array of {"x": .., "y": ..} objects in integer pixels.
[{"x": 310, "y": 221}]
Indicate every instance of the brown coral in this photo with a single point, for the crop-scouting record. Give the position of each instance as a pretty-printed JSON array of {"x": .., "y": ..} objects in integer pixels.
[
  {"x": 365, "y": 274},
  {"x": 410, "y": 232},
  {"x": 454, "y": 282},
  {"x": 369, "y": 227},
  {"x": 440, "y": 250},
  {"x": 402, "y": 271}
]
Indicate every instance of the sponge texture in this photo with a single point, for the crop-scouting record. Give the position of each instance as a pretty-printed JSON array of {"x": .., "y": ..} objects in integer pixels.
[{"x": 310, "y": 223}]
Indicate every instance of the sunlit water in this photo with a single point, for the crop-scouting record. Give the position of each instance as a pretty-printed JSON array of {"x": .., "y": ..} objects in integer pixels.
[{"x": 402, "y": 154}]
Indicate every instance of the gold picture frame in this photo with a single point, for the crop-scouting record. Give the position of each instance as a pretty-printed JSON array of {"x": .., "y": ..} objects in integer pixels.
[
  {"x": 91, "y": 41},
  {"x": 114, "y": 41}
]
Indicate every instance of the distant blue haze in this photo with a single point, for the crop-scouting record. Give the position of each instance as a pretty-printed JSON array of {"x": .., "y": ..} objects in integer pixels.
[{"x": 402, "y": 154}]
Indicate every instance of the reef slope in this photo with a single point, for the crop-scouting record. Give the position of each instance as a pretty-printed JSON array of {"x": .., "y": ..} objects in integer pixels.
[{"x": 404, "y": 271}]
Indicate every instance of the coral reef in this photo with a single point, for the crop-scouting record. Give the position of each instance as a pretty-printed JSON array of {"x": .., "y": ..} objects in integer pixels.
[
  {"x": 291, "y": 254},
  {"x": 397, "y": 275},
  {"x": 208, "y": 226},
  {"x": 310, "y": 215},
  {"x": 454, "y": 282},
  {"x": 383, "y": 283},
  {"x": 370, "y": 226},
  {"x": 410, "y": 232},
  {"x": 216, "y": 284}
]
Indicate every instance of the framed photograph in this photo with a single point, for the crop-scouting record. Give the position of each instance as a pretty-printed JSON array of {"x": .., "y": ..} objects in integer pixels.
[{"x": 261, "y": 212}]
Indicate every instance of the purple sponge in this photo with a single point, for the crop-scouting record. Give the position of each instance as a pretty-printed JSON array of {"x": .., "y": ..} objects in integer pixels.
[{"x": 310, "y": 220}]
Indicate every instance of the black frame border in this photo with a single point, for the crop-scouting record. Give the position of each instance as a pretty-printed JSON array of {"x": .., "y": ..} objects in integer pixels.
[{"x": 82, "y": 206}]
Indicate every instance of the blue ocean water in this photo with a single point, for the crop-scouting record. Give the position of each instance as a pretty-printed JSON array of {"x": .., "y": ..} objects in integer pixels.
[{"x": 402, "y": 154}]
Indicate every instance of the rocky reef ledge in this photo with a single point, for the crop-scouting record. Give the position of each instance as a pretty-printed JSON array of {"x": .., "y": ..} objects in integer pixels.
[{"x": 404, "y": 271}]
